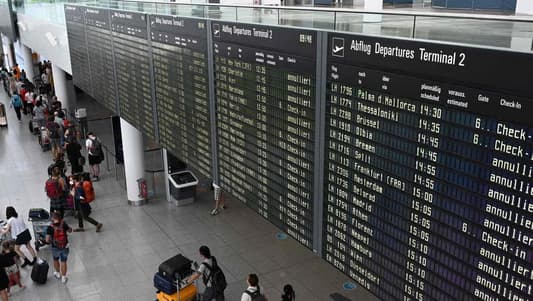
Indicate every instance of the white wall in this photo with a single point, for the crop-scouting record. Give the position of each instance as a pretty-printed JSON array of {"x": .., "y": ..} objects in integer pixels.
[
  {"x": 35, "y": 37},
  {"x": 524, "y": 7}
]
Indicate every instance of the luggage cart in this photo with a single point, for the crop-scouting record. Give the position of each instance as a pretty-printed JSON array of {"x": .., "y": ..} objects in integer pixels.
[
  {"x": 3, "y": 116},
  {"x": 39, "y": 230}
]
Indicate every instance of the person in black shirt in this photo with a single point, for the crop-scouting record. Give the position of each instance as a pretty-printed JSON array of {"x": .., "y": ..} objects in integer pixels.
[
  {"x": 73, "y": 150},
  {"x": 6, "y": 260}
]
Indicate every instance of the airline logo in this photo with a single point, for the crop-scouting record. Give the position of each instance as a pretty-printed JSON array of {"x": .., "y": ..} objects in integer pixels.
[{"x": 337, "y": 47}]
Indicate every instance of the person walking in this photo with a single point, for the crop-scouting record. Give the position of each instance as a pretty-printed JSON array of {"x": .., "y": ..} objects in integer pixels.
[
  {"x": 38, "y": 113},
  {"x": 219, "y": 199},
  {"x": 253, "y": 292},
  {"x": 16, "y": 102},
  {"x": 55, "y": 188},
  {"x": 57, "y": 235},
  {"x": 20, "y": 233},
  {"x": 83, "y": 195},
  {"x": 209, "y": 263},
  {"x": 95, "y": 154},
  {"x": 13, "y": 271}
]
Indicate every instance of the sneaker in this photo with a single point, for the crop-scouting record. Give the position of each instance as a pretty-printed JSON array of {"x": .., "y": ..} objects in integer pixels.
[
  {"x": 26, "y": 262},
  {"x": 224, "y": 207},
  {"x": 214, "y": 212},
  {"x": 57, "y": 275},
  {"x": 64, "y": 279},
  {"x": 79, "y": 230},
  {"x": 95, "y": 179},
  {"x": 99, "y": 227},
  {"x": 33, "y": 261}
]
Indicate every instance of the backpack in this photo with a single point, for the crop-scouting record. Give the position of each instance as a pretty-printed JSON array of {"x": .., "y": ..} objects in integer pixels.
[
  {"x": 59, "y": 239},
  {"x": 53, "y": 191},
  {"x": 96, "y": 147},
  {"x": 218, "y": 280},
  {"x": 89, "y": 191},
  {"x": 54, "y": 130},
  {"x": 256, "y": 296}
]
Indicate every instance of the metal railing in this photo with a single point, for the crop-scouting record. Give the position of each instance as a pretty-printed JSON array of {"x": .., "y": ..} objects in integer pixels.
[{"x": 511, "y": 32}]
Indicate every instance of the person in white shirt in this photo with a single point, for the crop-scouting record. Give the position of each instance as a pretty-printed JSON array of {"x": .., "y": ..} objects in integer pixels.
[
  {"x": 94, "y": 150},
  {"x": 254, "y": 292},
  {"x": 19, "y": 233},
  {"x": 204, "y": 271}
]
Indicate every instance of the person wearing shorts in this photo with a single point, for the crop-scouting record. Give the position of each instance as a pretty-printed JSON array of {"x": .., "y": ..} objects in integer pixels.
[
  {"x": 20, "y": 233},
  {"x": 59, "y": 253}
]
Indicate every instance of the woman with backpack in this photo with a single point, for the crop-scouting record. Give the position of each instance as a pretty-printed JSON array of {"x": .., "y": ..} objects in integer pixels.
[
  {"x": 57, "y": 235},
  {"x": 95, "y": 154},
  {"x": 19, "y": 233},
  {"x": 83, "y": 192},
  {"x": 55, "y": 188}
]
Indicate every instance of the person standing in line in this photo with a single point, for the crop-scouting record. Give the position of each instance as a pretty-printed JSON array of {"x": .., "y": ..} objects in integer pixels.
[
  {"x": 73, "y": 150},
  {"x": 12, "y": 84},
  {"x": 38, "y": 113},
  {"x": 55, "y": 188},
  {"x": 83, "y": 195},
  {"x": 16, "y": 102},
  {"x": 253, "y": 292},
  {"x": 95, "y": 154},
  {"x": 16, "y": 72},
  {"x": 54, "y": 131},
  {"x": 20, "y": 233},
  {"x": 57, "y": 235}
]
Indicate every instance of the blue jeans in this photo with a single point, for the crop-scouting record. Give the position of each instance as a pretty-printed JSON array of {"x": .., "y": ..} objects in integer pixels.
[{"x": 60, "y": 254}]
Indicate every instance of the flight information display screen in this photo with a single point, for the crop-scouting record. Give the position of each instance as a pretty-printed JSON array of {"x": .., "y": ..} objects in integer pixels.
[
  {"x": 265, "y": 97},
  {"x": 100, "y": 51},
  {"x": 428, "y": 169},
  {"x": 179, "y": 51},
  {"x": 79, "y": 58},
  {"x": 132, "y": 68}
]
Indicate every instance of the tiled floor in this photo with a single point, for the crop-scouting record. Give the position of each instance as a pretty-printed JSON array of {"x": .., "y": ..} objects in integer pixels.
[{"x": 118, "y": 264}]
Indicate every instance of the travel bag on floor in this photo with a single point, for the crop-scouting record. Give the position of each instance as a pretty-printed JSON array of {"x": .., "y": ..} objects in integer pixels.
[
  {"x": 187, "y": 293},
  {"x": 39, "y": 272},
  {"x": 165, "y": 285},
  {"x": 176, "y": 268}
]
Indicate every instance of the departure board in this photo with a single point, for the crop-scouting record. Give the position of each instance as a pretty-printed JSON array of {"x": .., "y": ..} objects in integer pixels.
[
  {"x": 100, "y": 51},
  {"x": 428, "y": 169},
  {"x": 133, "y": 70},
  {"x": 179, "y": 52},
  {"x": 265, "y": 97},
  {"x": 79, "y": 58}
]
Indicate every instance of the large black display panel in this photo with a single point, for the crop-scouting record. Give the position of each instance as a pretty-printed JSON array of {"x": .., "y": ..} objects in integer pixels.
[
  {"x": 179, "y": 52},
  {"x": 428, "y": 169},
  {"x": 79, "y": 58},
  {"x": 265, "y": 97},
  {"x": 100, "y": 51},
  {"x": 132, "y": 68}
]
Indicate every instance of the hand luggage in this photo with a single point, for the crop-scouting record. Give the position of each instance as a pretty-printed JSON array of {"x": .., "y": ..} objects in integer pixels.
[
  {"x": 187, "y": 293},
  {"x": 165, "y": 285},
  {"x": 44, "y": 140},
  {"x": 39, "y": 272},
  {"x": 33, "y": 126},
  {"x": 38, "y": 214},
  {"x": 176, "y": 268},
  {"x": 3, "y": 117}
]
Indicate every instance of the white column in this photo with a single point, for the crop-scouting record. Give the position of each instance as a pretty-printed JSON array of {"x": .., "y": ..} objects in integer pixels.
[
  {"x": 524, "y": 7},
  {"x": 8, "y": 50},
  {"x": 64, "y": 89},
  {"x": 28, "y": 62},
  {"x": 132, "y": 144},
  {"x": 372, "y": 22}
]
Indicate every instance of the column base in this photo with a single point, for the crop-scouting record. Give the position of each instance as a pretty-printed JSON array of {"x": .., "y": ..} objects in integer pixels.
[{"x": 137, "y": 203}]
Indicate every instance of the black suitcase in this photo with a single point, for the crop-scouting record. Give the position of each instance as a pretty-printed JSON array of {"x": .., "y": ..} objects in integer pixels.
[
  {"x": 176, "y": 268},
  {"x": 165, "y": 285},
  {"x": 38, "y": 214},
  {"x": 39, "y": 272}
]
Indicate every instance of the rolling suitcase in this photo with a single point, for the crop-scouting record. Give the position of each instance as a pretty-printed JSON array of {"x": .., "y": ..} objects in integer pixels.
[
  {"x": 165, "y": 285},
  {"x": 33, "y": 126},
  {"x": 187, "y": 293},
  {"x": 176, "y": 268},
  {"x": 3, "y": 117},
  {"x": 39, "y": 272}
]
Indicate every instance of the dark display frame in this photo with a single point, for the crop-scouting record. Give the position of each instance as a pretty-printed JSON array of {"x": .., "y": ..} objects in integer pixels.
[{"x": 400, "y": 69}]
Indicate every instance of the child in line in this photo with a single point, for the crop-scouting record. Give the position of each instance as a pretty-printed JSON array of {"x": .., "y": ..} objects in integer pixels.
[{"x": 13, "y": 271}]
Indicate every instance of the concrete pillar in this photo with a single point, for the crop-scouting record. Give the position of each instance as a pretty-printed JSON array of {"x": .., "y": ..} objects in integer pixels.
[
  {"x": 372, "y": 22},
  {"x": 7, "y": 46},
  {"x": 132, "y": 142},
  {"x": 64, "y": 89},
  {"x": 524, "y": 7},
  {"x": 28, "y": 62}
]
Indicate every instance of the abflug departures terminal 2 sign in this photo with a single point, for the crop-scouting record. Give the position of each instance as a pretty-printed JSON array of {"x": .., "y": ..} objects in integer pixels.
[{"x": 429, "y": 167}]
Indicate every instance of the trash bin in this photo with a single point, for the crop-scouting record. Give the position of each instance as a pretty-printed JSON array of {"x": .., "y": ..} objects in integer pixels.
[{"x": 182, "y": 187}]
